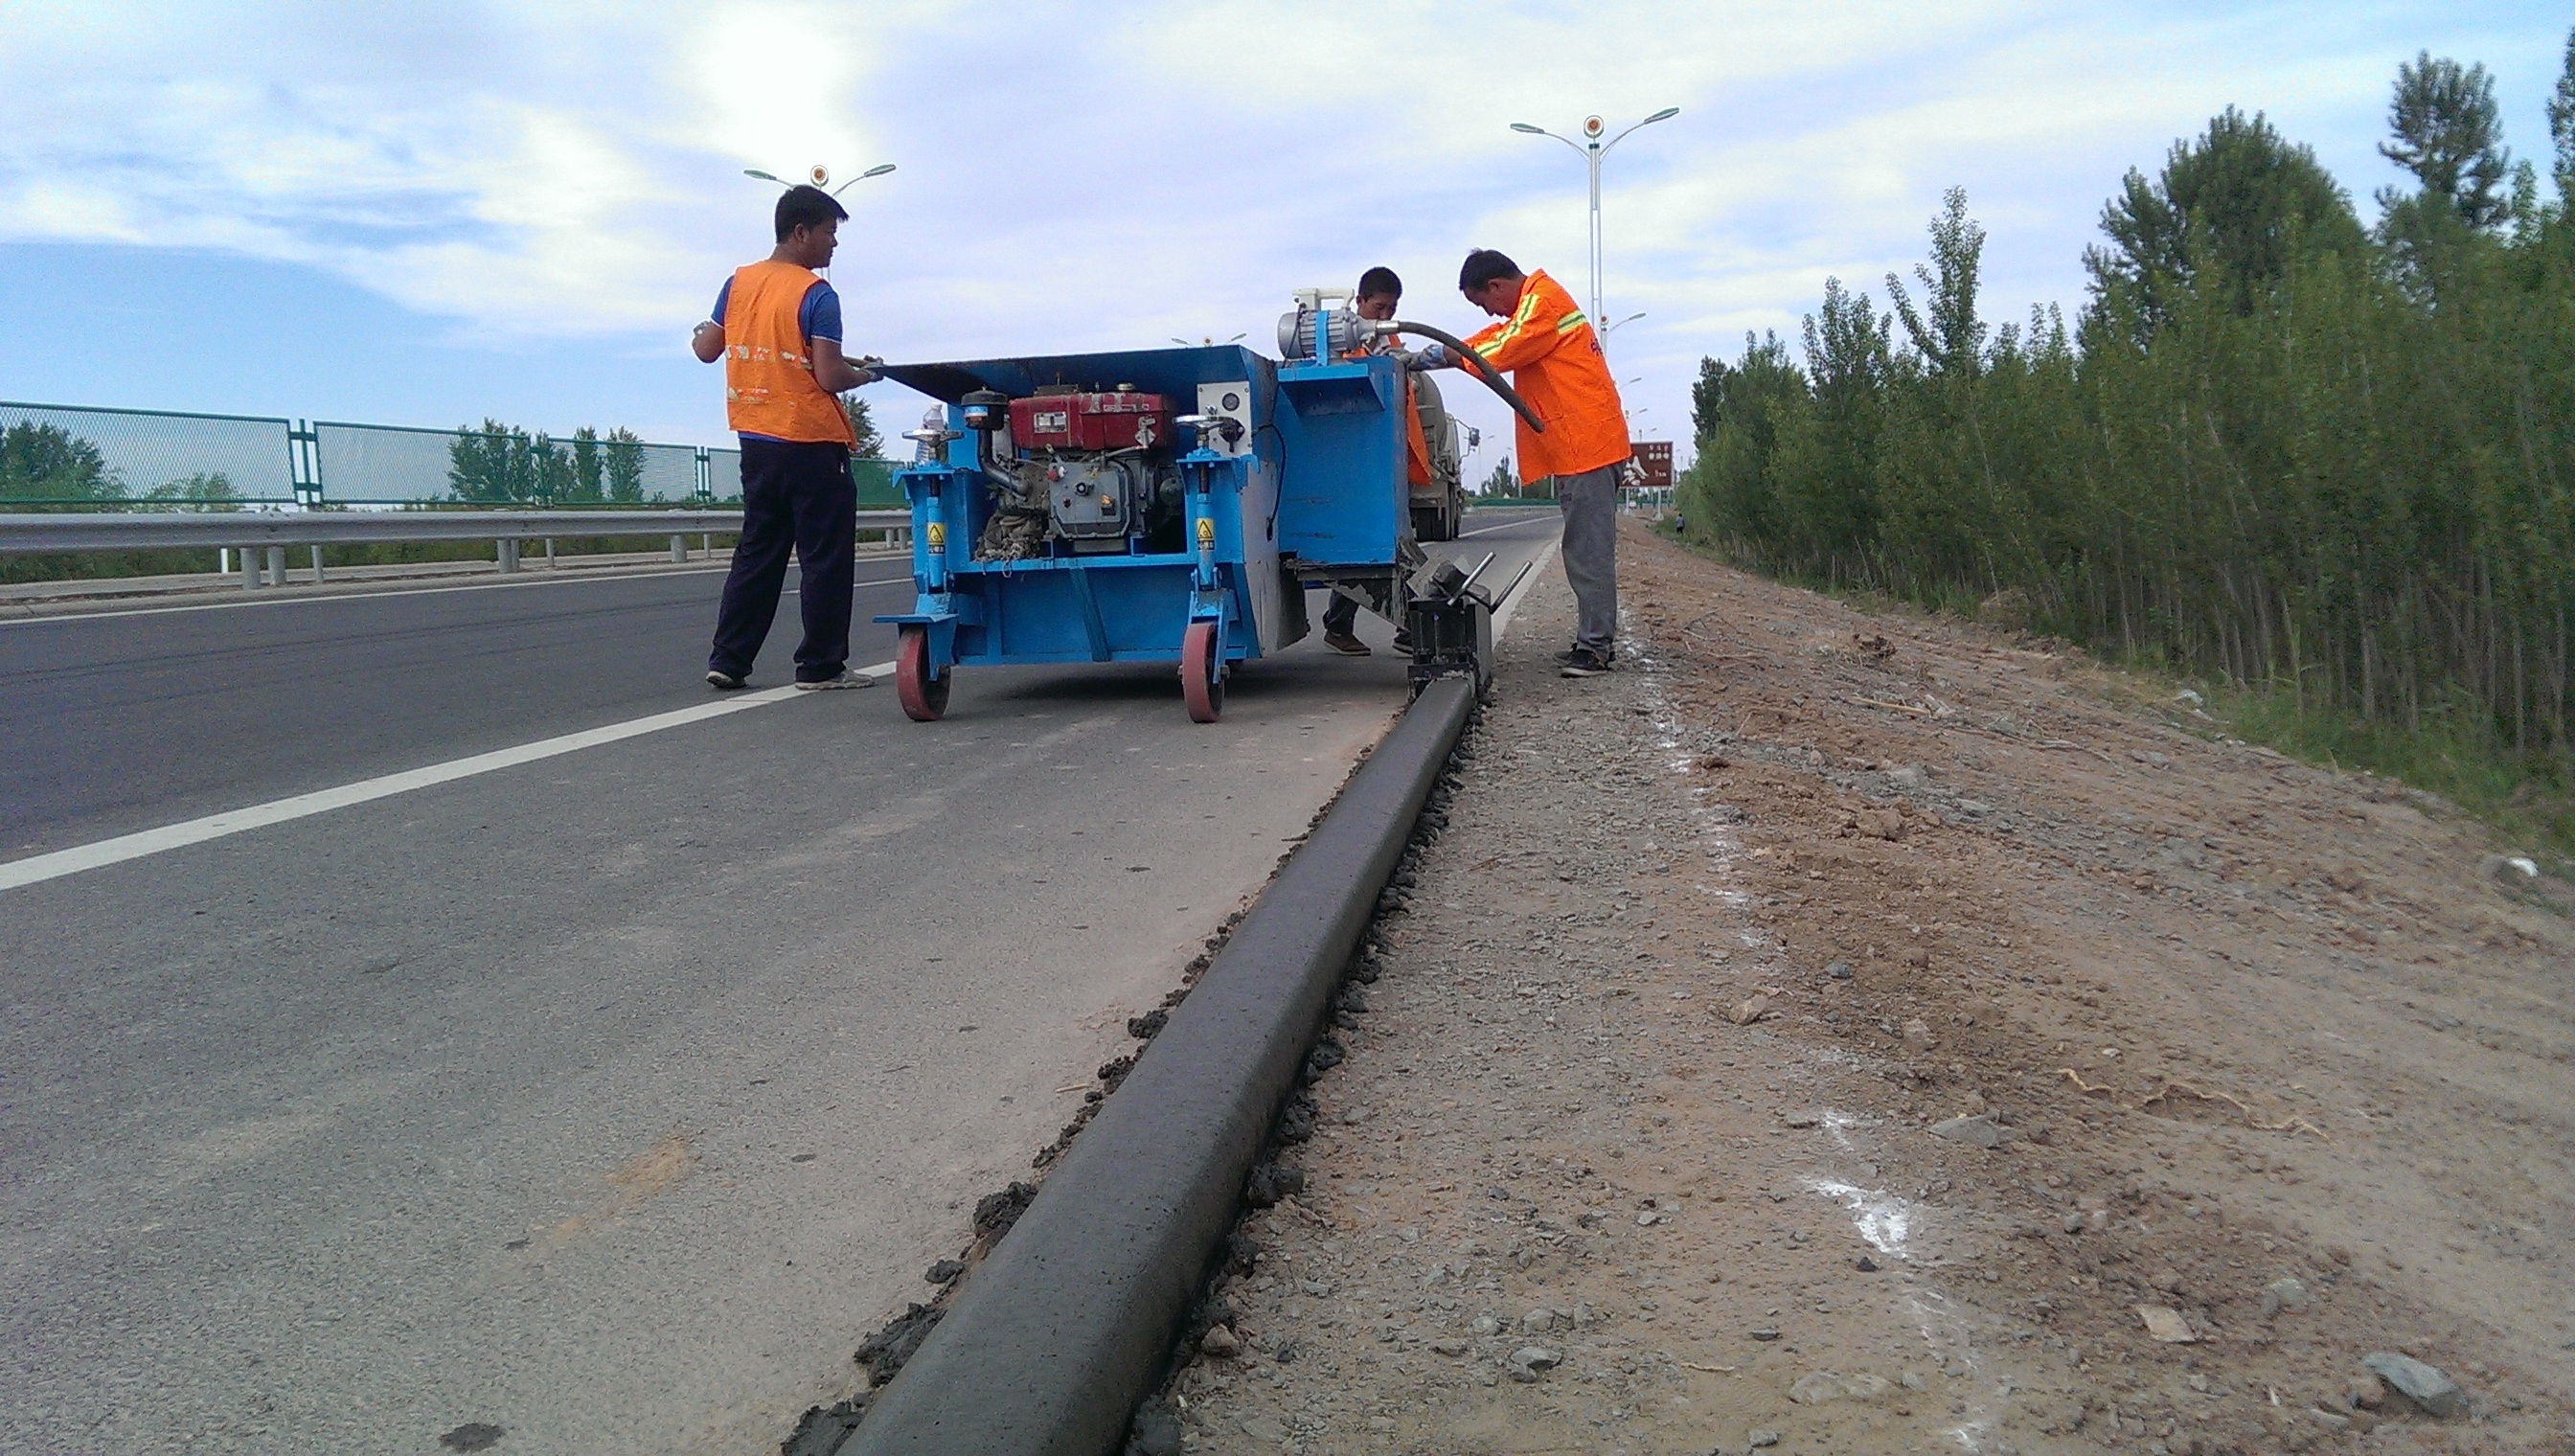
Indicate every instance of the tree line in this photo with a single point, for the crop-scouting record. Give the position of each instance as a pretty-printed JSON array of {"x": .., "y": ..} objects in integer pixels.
[
  {"x": 503, "y": 464},
  {"x": 45, "y": 467},
  {"x": 2276, "y": 446}
]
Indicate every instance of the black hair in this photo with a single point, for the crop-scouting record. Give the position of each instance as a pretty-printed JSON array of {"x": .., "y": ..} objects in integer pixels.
[
  {"x": 1483, "y": 266},
  {"x": 1380, "y": 282},
  {"x": 807, "y": 206}
]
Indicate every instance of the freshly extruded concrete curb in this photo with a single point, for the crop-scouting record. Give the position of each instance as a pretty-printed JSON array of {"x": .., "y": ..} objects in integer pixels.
[{"x": 1058, "y": 1335}]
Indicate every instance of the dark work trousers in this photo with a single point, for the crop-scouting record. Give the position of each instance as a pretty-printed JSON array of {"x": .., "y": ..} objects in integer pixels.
[
  {"x": 1589, "y": 502},
  {"x": 795, "y": 496}
]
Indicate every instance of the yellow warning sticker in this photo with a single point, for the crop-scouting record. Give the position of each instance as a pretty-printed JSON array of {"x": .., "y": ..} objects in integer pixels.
[
  {"x": 1206, "y": 534},
  {"x": 938, "y": 533}
]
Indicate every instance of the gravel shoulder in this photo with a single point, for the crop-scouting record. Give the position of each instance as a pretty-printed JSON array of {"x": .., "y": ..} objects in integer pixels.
[{"x": 1849, "y": 1032}]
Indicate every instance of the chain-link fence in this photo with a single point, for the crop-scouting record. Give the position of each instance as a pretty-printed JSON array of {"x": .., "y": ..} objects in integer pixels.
[
  {"x": 388, "y": 464},
  {"x": 55, "y": 457}
]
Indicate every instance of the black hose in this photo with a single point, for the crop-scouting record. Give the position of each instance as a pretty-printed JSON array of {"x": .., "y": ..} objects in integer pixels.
[{"x": 1493, "y": 376}]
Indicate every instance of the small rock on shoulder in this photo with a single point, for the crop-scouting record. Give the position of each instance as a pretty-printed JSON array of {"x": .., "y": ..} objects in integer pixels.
[
  {"x": 1825, "y": 1385},
  {"x": 2431, "y": 1391},
  {"x": 1981, "y": 1131}
]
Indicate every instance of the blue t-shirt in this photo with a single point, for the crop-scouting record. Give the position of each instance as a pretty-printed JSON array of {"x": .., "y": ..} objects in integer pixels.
[{"x": 818, "y": 317}]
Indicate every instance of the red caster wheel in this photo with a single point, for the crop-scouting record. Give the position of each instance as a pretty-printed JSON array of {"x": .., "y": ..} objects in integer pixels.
[
  {"x": 1202, "y": 672},
  {"x": 925, "y": 697}
]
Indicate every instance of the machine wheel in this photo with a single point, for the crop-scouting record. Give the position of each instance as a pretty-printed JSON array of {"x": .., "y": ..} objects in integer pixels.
[
  {"x": 1202, "y": 672},
  {"x": 925, "y": 697}
]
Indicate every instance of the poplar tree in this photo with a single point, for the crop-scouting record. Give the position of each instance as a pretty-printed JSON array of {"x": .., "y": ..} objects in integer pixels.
[
  {"x": 2239, "y": 200},
  {"x": 2449, "y": 132}
]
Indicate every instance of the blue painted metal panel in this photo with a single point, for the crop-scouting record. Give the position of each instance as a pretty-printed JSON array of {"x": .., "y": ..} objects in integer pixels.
[
  {"x": 1343, "y": 500},
  {"x": 1334, "y": 430}
]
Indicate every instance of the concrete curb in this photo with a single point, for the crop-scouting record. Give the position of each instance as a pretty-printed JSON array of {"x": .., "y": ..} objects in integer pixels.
[{"x": 1068, "y": 1325}]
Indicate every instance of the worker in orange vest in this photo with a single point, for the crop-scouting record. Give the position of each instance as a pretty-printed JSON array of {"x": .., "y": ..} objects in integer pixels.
[
  {"x": 1379, "y": 292},
  {"x": 1558, "y": 367},
  {"x": 776, "y": 327}
]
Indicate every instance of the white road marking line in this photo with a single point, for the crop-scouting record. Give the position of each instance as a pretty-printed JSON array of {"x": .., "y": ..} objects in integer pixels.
[
  {"x": 1505, "y": 526},
  {"x": 41, "y": 867},
  {"x": 640, "y": 573}
]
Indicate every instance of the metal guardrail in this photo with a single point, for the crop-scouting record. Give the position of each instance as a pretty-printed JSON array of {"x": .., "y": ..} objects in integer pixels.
[
  {"x": 274, "y": 530},
  {"x": 95, "y": 458}
]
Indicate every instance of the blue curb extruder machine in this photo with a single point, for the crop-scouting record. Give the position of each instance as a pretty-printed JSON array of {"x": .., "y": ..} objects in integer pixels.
[{"x": 1170, "y": 505}]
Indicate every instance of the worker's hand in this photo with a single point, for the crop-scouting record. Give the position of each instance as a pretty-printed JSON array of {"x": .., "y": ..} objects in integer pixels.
[{"x": 1432, "y": 356}]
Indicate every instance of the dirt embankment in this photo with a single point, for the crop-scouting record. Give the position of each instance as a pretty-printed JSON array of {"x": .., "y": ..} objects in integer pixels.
[{"x": 1830, "y": 1033}]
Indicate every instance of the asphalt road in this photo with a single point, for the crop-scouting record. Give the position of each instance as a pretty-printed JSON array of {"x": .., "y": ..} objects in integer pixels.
[{"x": 608, "y": 1099}]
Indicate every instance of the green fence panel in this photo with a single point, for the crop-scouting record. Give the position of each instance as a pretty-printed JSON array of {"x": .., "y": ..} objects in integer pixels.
[
  {"x": 875, "y": 484},
  {"x": 60, "y": 455}
]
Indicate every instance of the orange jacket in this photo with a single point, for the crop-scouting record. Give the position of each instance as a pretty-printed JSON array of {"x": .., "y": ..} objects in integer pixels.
[
  {"x": 769, "y": 376},
  {"x": 1556, "y": 365},
  {"x": 1417, "y": 446}
]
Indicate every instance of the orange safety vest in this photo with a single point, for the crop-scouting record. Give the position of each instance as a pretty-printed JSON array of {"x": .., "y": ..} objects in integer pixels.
[
  {"x": 769, "y": 376},
  {"x": 1558, "y": 367},
  {"x": 1417, "y": 446}
]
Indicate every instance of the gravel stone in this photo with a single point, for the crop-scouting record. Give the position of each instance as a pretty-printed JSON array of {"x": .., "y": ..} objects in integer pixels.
[
  {"x": 1981, "y": 1131},
  {"x": 2432, "y": 1391}
]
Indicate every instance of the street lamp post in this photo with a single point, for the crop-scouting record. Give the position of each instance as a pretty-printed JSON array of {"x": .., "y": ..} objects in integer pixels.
[
  {"x": 1592, "y": 150},
  {"x": 822, "y": 176}
]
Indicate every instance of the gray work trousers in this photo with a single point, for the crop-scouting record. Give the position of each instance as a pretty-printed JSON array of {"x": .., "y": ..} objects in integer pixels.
[{"x": 1589, "y": 502}]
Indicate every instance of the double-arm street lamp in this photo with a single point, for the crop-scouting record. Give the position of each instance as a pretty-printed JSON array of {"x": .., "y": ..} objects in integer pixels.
[
  {"x": 1592, "y": 150},
  {"x": 821, "y": 175}
]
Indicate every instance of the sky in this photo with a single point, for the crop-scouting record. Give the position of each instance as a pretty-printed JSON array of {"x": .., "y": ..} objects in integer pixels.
[{"x": 428, "y": 215}]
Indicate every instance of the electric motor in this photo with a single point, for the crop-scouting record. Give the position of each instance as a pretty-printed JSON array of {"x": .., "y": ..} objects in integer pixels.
[{"x": 1345, "y": 332}]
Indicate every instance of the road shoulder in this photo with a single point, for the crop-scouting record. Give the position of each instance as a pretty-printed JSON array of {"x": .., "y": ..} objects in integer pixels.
[{"x": 1842, "y": 1027}]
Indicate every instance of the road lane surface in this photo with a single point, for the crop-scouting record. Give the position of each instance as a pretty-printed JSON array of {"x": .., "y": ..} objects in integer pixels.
[{"x": 608, "y": 1099}]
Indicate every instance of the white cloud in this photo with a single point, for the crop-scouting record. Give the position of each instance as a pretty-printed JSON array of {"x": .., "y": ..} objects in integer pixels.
[{"x": 1088, "y": 176}]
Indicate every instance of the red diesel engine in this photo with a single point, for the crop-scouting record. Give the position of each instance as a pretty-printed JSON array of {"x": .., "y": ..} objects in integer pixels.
[
  {"x": 1088, "y": 421},
  {"x": 1085, "y": 471}
]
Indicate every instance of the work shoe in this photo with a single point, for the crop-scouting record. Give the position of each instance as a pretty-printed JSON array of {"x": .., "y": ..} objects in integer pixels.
[
  {"x": 1344, "y": 644},
  {"x": 1574, "y": 655},
  {"x": 724, "y": 681},
  {"x": 846, "y": 678},
  {"x": 1582, "y": 662},
  {"x": 1403, "y": 642}
]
